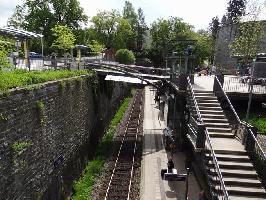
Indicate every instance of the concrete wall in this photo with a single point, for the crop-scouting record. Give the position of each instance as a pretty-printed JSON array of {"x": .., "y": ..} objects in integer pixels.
[
  {"x": 48, "y": 132},
  {"x": 225, "y": 36}
]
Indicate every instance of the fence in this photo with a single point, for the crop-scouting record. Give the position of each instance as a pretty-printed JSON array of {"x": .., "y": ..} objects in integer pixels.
[{"x": 240, "y": 84}]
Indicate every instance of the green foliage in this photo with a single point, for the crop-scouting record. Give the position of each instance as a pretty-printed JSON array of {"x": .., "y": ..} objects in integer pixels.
[
  {"x": 41, "y": 110},
  {"x": 204, "y": 47},
  {"x": 259, "y": 122},
  {"x": 84, "y": 186},
  {"x": 19, "y": 146},
  {"x": 165, "y": 34},
  {"x": 247, "y": 43},
  {"x": 235, "y": 9},
  {"x": 20, "y": 78},
  {"x": 65, "y": 39},
  {"x": 125, "y": 56},
  {"x": 41, "y": 16},
  {"x": 95, "y": 47},
  {"x": 111, "y": 29}
]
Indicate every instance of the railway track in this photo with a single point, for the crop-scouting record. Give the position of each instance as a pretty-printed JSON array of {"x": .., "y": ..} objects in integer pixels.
[{"x": 118, "y": 181}]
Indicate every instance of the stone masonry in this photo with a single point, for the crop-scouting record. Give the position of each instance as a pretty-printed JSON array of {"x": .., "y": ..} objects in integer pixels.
[
  {"x": 48, "y": 131},
  {"x": 225, "y": 36}
]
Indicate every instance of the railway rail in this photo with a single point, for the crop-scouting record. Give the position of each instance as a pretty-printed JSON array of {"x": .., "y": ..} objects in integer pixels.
[{"x": 119, "y": 180}]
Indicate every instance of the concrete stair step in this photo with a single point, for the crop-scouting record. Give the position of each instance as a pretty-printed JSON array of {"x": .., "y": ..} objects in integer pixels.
[
  {"x": 231, "y": 152},
  {"x": 203, "y": 91},
  {"x": 214, "y": 108},
  {"x": 204, "y": 94},
  {"x": 219, "y": 129},
  {"x": 205, "y": 97},
  {"x": 214, "y": 120},
  {"x": 236, "y": 173},
  {"x": 209, "y": 104},
  {"x": 207, "y": 101},
  {"x": 221, "y": 135},
  {"x": 246, "y": 191},
  {"x": 213, "y": 116},
  {"x": 212, "y": 112},
  {"x": 233, "y": 165},
  {"x": 233, "y": 158},
  {"x": 240, "y": 197},
  {"x": 218, "y": 125},
  {"x": 242, "y": 181}
]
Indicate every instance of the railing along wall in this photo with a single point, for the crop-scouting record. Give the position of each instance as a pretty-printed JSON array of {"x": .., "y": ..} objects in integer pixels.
[
  {"x": 243, "y": 131},
  {"x": 199, "y": 136}
]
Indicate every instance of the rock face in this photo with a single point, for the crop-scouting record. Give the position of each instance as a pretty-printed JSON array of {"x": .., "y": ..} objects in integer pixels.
[
  {"x": 48, "y": 133},
  {"x": 225, "y": 36}
]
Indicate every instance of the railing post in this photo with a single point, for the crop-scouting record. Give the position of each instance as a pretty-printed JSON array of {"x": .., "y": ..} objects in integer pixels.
[
  {"x": 182, "y": 82},
  {"x": 201, "y": 137},
  {"x": 249, "y": 141},
  {"x": 216, "y": 86}
]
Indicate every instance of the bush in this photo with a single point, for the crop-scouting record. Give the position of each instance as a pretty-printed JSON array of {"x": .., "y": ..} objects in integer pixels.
[{"x": 125, "y": 56}]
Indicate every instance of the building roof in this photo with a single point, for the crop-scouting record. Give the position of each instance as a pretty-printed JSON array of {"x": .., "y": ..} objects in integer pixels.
[{"x": 21, "y": 34}]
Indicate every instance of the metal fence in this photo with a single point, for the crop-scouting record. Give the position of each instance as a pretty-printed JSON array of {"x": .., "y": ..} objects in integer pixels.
[{"x": 241, "y": 84}]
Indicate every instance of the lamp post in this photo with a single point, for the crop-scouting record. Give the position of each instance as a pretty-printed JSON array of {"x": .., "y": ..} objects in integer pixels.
[{"x": 41, "y": 28}]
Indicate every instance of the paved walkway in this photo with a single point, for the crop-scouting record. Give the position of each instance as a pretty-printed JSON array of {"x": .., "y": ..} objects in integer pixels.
[{"x": 155, "y": 158}]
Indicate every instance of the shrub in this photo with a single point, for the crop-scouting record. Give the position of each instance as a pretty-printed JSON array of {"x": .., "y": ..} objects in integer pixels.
[{"x": 125, "y": 56}]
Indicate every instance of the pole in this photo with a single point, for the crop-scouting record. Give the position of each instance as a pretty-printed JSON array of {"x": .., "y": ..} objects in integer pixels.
[
  {"x": 249, "y": 97},
  {"x": 26, "y": 55},
  {"x": 186, "y": 193},
  {"x": 42, "y": 44},
  {"x": 250, "y": 93}
]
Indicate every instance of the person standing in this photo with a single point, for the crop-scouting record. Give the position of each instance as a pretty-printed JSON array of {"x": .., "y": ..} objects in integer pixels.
[{"x": 213, "y": 70}]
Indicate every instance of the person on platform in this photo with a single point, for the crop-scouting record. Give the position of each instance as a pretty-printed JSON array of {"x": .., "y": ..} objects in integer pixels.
[{"x": 170, "y": 165}]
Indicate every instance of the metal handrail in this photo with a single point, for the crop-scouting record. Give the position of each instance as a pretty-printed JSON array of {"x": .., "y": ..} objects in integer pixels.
[
  {"x": 257, "y": 143},
  {"x": 194, "y": 99},
  {"x": 217, "y": 166},
  {"x": 229, "y": 102}
]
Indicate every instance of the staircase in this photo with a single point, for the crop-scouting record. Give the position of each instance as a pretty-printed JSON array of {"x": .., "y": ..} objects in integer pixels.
[{"x": 240, "y": 178}]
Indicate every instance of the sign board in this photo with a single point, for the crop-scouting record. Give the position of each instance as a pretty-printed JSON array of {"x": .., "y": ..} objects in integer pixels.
[{"x": 17, "y": 44}]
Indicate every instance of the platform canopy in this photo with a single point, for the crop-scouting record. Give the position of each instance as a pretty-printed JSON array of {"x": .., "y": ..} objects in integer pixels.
[{"x": 18, "y": 33}]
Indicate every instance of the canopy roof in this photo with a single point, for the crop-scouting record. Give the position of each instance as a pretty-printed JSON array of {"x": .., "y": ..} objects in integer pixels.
[{"x": 21, "y": 34}]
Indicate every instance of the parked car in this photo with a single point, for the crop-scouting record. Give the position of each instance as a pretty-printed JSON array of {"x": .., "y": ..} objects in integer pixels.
[{"x": 35, "y": 55}]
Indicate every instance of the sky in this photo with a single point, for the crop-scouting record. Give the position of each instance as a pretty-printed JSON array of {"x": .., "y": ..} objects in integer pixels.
[{"x": 195, "y": 12}]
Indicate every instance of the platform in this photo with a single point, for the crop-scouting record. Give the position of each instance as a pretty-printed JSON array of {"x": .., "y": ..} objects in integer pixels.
[{"x": 154, "y": 158}]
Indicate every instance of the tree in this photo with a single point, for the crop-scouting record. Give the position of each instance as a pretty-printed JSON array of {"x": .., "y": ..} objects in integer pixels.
[
  {"x": 17, "y": 18},
  {"x": 95, "y": 47},
  {"x": 130, "y": 15},
  {"x": 223, "y": 20},
  {"x": 141, "y": 30},
  {"x": 105, "y": 25},
  {"x": 247, "y": 43},
  {"x": 165, "y": 35},
  {"x": 203, "y": 49},
  {"x": 213, "y": 30},
  {"x": 111, "y": 29},
  {"x": 235, "y": 9},
  {"x": 64, "y": 38},
  {"x": 42, "y": 15}
]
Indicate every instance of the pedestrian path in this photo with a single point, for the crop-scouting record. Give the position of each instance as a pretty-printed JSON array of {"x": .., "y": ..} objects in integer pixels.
[{"x": 155, "y": 158}]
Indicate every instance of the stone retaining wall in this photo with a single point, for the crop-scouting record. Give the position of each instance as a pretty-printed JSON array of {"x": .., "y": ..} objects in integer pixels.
[{"x": 49, "y": 131}]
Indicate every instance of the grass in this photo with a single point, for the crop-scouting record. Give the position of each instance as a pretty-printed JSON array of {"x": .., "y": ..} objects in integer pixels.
[
  {"x": 260, "y": 123},
  {"x": 84, "y": 186},
  {"x": 19, "y": 146},
  {"x": 21, "y": 78}
]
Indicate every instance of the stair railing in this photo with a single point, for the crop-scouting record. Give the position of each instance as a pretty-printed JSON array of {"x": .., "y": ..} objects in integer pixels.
[
  {"x": 256, "y": 153},
  {"x": 244, "y": 132},
  {"x": 222, "y": 192},
  {"x": 227, "y": 99},
  {"x": 193, "y": 99}
]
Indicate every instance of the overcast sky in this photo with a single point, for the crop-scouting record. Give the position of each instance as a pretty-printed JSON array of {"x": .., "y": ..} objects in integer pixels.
[{"x": 195, "y": 12}]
